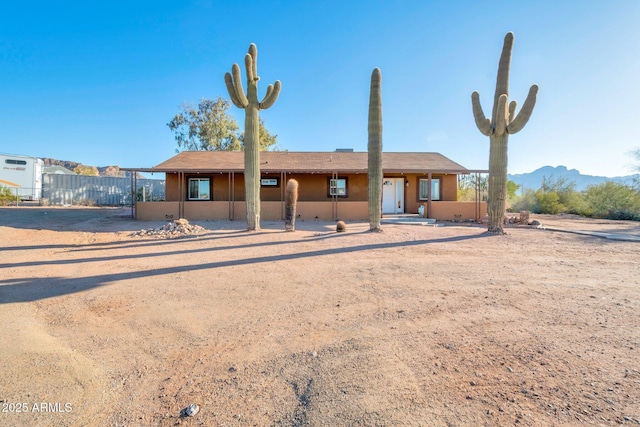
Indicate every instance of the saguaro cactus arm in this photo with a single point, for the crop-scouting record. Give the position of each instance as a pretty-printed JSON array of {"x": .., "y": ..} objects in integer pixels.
[
  {"x": 228, "y": 81},
  {"x": 248, "y": 66},
  {"x": 272, "y": 95},
  {"x": 483, "y": 124},
  {"x": 234, "y": 87},
  {"x": 523, "y": 116},
  {"x": 251, "y": 62},
  {"x": 512, "y": 111},
  {"x": 500, "y": 123}
]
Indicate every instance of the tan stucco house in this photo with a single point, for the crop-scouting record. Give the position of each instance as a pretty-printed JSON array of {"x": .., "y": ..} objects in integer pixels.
[{"x": 209, "y": 185}]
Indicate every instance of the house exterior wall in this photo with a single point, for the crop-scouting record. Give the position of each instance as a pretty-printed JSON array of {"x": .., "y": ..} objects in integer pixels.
[
  {"x": 315, "y": 187},
  {"x": 171, "y": 191},
  {"x": 220, "y": 186},
  {"x": 312, "y": 187},
  {"x": 314, "y": 202}
]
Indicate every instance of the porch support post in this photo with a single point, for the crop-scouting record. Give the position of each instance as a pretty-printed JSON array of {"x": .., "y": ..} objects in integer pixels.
[
  {"x": 429, "y": 176},
  {"x": 181, "y": 193},
  {"x": 134, "y": 194},
  {"x": 477, "y": 198},
  {"x": 283, "y": 190},
  {"x": 233, "y": 196},
  {"x": 334, "y": 199}
]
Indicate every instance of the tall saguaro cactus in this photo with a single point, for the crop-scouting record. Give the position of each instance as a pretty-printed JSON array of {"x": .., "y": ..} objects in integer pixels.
[
  {"x": 375, "y": 151},
  {"x": 251, "y": 106},
  {"x": 503, "y": 122}
]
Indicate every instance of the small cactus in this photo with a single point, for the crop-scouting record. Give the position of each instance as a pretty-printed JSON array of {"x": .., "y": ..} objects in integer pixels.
[
  {"x": 290, "y": 203},
  {"x": 341, "y": 227}
]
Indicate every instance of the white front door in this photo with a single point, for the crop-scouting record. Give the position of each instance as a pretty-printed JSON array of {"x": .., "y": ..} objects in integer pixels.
[{"x": 392, "y": 195}]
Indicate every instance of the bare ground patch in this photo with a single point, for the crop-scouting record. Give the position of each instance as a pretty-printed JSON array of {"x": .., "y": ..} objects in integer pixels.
[{"x": 412, "y": 326}]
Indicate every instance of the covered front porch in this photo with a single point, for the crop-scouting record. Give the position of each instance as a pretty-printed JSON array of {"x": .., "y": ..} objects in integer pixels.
[{"x": 306, "y": 211}]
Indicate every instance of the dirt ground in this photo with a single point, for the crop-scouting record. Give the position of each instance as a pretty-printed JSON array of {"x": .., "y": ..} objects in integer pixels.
[{"x": 414, "y": 326}]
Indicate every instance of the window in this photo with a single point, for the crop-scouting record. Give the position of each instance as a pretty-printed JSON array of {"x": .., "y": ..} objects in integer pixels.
[
  {"x": 338, "y": 187},
  {"x": 15, "y": 162},
  {"x": 435, "y": 189},
  {"x": 199, "y": 189},
  {"x": 269, "y": 182}
]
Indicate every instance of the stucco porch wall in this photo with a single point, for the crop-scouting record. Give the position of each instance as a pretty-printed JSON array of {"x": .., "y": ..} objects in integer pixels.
[
  {"x": 157, "y": 211},
  {"x": 308, "y": 211},
  {"x": 314, "y": 210},
  {"x": 324, "y": 211},
  {"x": 269, "y": 211},
  {"x": 203, "y": 210},
  {"x": 450, "y": 211},
  {"x": 352, "y": 211}
]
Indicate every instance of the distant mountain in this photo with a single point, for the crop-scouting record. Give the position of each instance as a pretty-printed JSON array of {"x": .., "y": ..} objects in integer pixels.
[
  {"x": 97, "y": 170},
  {"x": 533, "y": 180}
]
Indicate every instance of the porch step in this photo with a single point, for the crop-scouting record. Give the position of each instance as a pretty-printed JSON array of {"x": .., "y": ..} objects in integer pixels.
[{"x": 412, "y": 219}]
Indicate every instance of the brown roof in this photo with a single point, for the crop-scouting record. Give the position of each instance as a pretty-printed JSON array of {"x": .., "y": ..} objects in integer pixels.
[{"x": 317, "y": 162}]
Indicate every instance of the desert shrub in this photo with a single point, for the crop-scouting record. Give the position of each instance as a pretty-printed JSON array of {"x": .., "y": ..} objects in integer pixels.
[
  {"x": 84, "y": 202},
  {"x": 571, "y": 201},
  {"x": 608, "y": 200},
  {"x": 145, "y": 194},
  {"x": 467, "y": 187},
  {"x": 6, "y": 196},
  {"x": 549, "y": 202},
  {"x": 553, "y": 197},
  {"x": 526, "y": 202},
  {"x": 613, "y": 201}
]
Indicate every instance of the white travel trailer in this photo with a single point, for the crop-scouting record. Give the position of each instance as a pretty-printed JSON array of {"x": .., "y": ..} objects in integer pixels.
[{"x": 22, "y": 174}]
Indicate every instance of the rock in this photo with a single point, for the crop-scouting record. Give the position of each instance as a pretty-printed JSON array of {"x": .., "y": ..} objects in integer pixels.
[
  {"x": 174, "y": 229},
  {"x": 191, "y": 410}
]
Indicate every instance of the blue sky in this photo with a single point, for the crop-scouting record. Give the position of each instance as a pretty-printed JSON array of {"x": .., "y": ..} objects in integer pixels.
[{"x": 96, "y": 82}]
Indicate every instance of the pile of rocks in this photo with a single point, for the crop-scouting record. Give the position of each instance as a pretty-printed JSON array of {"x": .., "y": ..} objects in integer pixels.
[
  {"x": 174, "y": 229},
  {"x": 522, "y": 219}
]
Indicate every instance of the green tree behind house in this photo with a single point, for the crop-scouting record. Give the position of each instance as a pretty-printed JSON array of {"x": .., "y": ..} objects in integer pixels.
[{"x": 209, "y": 127}]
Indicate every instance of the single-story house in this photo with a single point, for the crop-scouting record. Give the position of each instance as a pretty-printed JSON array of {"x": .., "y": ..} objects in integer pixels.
[{"x": 209, "y": 185}]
